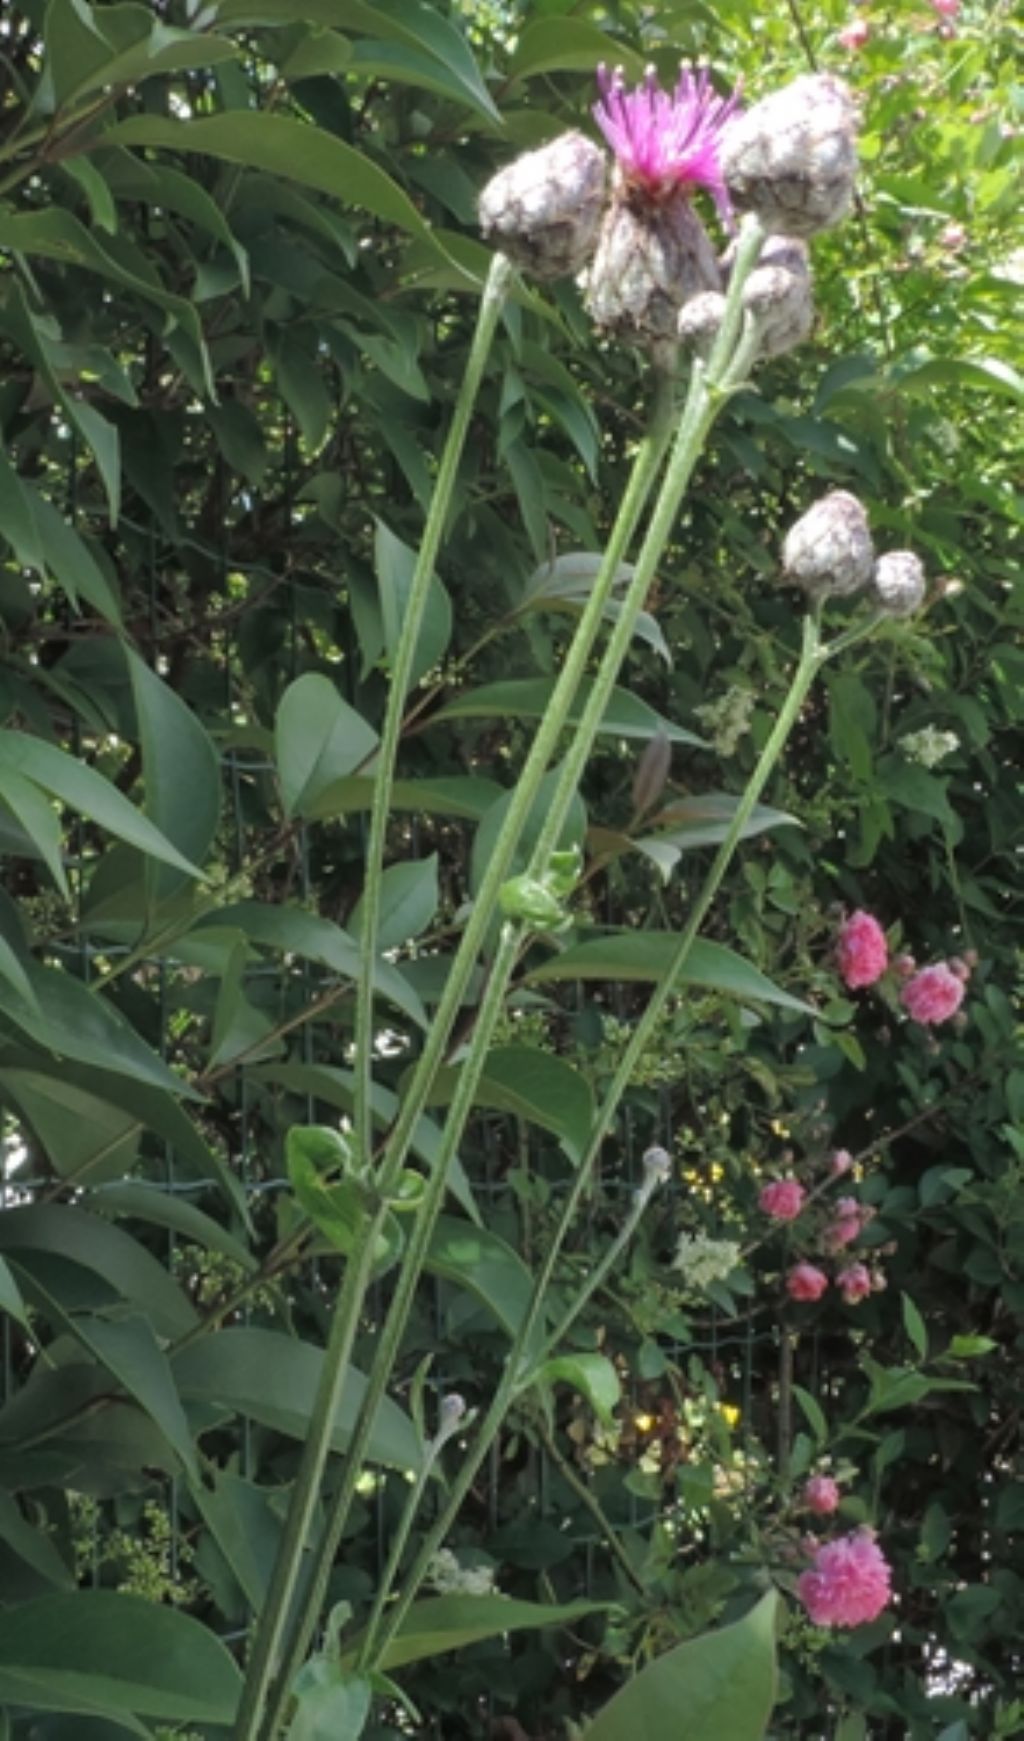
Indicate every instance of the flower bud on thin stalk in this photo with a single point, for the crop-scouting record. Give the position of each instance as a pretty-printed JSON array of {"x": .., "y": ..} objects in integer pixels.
[
  {"x": 543, "y": 210},
  {"x": 777, "y": 298},
  {"x": 898, "y": 583},
  {"x": 829, "y": 551},
  {"x": 791, "y": 159}
]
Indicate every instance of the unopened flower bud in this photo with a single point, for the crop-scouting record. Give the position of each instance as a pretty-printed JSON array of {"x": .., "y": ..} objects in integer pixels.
[
  {"x": 791, "y": 159},
  {"x": 652, "y": 255},
  {"x": 898, "y": 583},
  {"x": 700, "y": 320},
  {"x": 657, "y": 1166},
  {"x": 531, "y": 902},
  {"x": 544, "y": 209},
  {"x": 451, "y": 1413},
  {"x": 778, "y": 295},
  {"x": 829, "y": 551}
]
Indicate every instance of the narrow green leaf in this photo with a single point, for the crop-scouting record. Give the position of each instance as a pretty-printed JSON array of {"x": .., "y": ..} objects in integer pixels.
[
  {"x": 281, "y": 146},
  {"x": 37, "y": 816},
  {"x": 626, "y": 716},
  {"x": 444, "y": 1623},
  {"x": 395, "y": 562},
  {"x": 486, "y": 1266},
  {"x": 533, "y": 1085},
  {"x": 181, "y": 772},
  {"x": 11, "y": 1301},
  {"x": 914, "y": 1325},
  {"x": 230, "y": 1368},
  {"x": 84, "y": 790},
  {"x": 642, "y": 955},
  {"x": 467, "y": 796},
  {"x": 120, "y": 1262},
  {"x": 569, "y": 45}
]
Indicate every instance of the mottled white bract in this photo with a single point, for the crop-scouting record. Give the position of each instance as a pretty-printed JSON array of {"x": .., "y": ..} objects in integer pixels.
[
  {"x": 544, "y": 209},
  {"x": 829, "y": 551},
  {"x": 792, "y": 158},
  {"x": 898, "y": 583},
  {"x": 652, "y": 256}
]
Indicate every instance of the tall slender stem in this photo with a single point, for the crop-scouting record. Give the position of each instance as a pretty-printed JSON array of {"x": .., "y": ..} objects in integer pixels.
[
  {"x": 274, "y": 1615},
  {"x": 491, "y": 305}
]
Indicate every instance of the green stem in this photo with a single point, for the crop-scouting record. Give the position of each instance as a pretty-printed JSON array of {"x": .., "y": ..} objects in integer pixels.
[
  {"x": 394, "y": 1560},
  {"x": 275, "y": 1612},
  {"x": 513, "y": 1380},
  {"x": 491, "y": 304},
  {"x": 708, "y": 391},
  {"x": 646, "y": 464}
]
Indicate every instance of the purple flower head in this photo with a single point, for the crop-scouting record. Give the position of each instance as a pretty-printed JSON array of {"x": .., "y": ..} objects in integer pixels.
[{"x": 664, "y": 143}]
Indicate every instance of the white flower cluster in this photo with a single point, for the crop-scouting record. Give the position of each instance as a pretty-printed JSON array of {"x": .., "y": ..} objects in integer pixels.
[
  {"x": 929, "y": 747},
  {"x": 451, "y": 1579},
  {"x": 703, "y": 1261},
  {"x": 728, "y": 718}
]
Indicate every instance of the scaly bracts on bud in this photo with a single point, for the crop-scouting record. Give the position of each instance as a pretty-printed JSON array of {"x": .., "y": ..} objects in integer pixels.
[
  {"x": 544, "y": 209},
  {"x": 898, "y": 583},
  {"x": 791, "y": 159},
  {"x": 777, "y": 296},
  {"x": 651, "y": 257},
  {"x": 829, "y": 551}
]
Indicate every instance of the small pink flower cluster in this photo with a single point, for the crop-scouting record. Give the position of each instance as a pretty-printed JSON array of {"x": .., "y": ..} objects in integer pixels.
[
  {"x": 849, "y": 1583},
  {"x": 862, "y": 953},
  {"x": 806, "y": 1282},
  {"x": 929, "y": 995},
  {"x": 855, "y": 34},
  {"x": 849, "y": 1217}
]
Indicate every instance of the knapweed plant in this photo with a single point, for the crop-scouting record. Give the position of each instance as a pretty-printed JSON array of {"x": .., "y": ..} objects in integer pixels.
[{"x": 704, "y": 314}]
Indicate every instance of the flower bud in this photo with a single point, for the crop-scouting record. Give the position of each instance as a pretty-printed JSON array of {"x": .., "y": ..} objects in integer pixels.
[
  {"x": 651, "y": 257},
  {"x": 544, "y": 209},
  {"x": 898, "y": 583},
  {"x": 699, "y": 321},
  {"x": 778, "y": 296},
  {"x": 791, "y": 159},
  {"x": 829, "y": 551},
  {"x": 657, "y": 1166},
  {"x": 531, "y": 902}
]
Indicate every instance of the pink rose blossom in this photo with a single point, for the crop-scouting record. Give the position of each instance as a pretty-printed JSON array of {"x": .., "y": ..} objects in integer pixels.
[
  {"x": 821, "y": 1495},
  {"x": 946, "y": 8},
  {"x": 783, "y": 1199},
  {"x": 862, "y": 952},
  {"x": 933, "y": 995},
  {"x": 840, "y": 1163},
  {"x": 849, "y": 1583},
  {"x": 847, "y": 1206},
  {"x": 855, "y": 34},
  {"x": 854, "y": 1283},
  {"x": 806, "y": 1282}
]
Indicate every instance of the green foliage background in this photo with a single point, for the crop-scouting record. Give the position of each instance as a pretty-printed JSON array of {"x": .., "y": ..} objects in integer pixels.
[{"x": 238, "y": 270}]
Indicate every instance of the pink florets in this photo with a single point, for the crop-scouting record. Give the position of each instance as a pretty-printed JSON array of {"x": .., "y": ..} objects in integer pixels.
[
  {"x": 946, "y": 8},
  {"x": 933, "y": 995},
  {"x": 854, "y": 1283},
  {"x": 862, "y": 952},
  {"x": 842, "y": 1231},
  {"x": 806, "y": 1282},
  {"x": 783, "y": 1199},
  {"x": 665, "y": 142},
  {"x": 821, "y": 1495},
  {"x": 855, "y": 34},
  {"x": 841, "y": 1162},
  {"x": 849, "y": 1583}
]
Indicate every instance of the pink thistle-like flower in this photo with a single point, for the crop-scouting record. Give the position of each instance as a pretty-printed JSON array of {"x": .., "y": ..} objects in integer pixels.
[
  {"x": 862, "y": 953},
  {"x": 840, "y": 1163},
  {"x": 933, "y": 995},
  {"x": 821, "y": 1495},
  {"x": 855, "y": 34},
  {"x": 854, "y": 1283},
  {"x": 806, "y": 1282},
  {"x": 849, "y": 1583},
  {"x": 783, "y": 1199},
  {"x": 663, "y": 142}
]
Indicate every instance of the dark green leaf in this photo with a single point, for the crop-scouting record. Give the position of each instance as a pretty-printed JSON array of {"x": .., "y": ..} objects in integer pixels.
[{"x": 642, "y": 955}]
